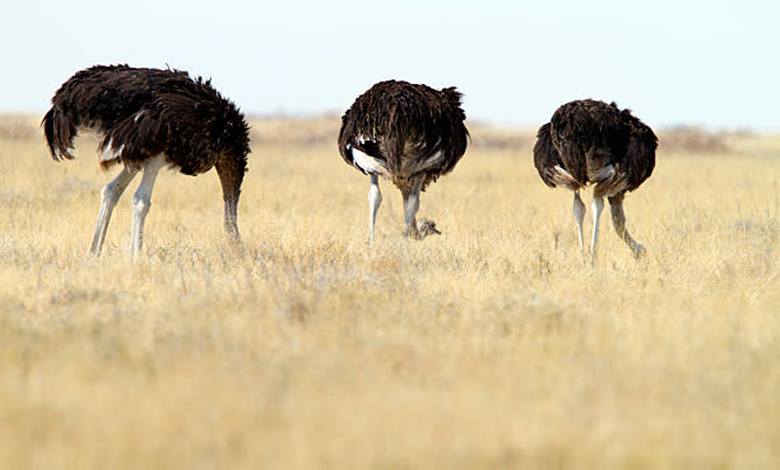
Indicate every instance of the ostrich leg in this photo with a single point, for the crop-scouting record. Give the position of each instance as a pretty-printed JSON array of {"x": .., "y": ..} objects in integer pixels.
[
  {"x": 411, "y": 206},
  {"x": 598, "y": 206},
  {"x": 619, "y": 222},
  {"x": 374, "y": 200},
  {"x": 109, "y": 197},
  {"x": 142, "y": 201},
  {"x": 579, "y": 215}
]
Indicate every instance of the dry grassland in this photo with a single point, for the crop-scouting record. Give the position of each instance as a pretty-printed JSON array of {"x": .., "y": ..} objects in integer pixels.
[{"x": 493, "y": 345}]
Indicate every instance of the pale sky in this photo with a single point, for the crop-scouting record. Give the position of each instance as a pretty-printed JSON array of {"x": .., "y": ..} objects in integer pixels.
[{"x": 712, "y": 63}]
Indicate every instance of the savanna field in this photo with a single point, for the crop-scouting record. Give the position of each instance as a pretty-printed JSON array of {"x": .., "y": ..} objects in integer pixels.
[{"x": 494, "y": 345}]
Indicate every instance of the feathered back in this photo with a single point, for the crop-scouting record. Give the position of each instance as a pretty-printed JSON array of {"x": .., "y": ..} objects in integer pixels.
[
  {"x": 546, "y": 157},
  {"x": 189, "y": 121},
  {"x": 640, "y": 152},
  {"x": 403, "y": 123},
  {"x": 98, "y": 98},
  {"x": 588, "y": 134},
  {"x": 585, "y": 137},
  {"x": 142, "y": 112},
  {"x": 588, "y": 122}
]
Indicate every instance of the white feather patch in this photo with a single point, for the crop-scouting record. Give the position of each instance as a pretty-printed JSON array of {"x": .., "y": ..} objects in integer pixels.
[
  {"x": 562, "y": 177},
  {"x": 563, "y": 172},
  {"x": 368, "y": 163},
  {"x": 603, "y": 173},
  {"x": 110, "y": 153},
  {"x": 427, "y": 163}
]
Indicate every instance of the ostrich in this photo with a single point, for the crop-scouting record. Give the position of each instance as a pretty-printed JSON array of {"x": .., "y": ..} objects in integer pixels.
[
  {"x": 148, "y": 119},
  {"x": 409, "y": 134},
  {"x": 589, "y": 141}
]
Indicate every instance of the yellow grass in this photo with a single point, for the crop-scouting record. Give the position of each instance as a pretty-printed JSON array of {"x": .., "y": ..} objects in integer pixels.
[{"x": 493, "y": 345}]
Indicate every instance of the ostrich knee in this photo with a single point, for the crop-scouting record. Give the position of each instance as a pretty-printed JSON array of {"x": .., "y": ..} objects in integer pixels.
[
  {"x": 111, "y": 192},
  {"x": 579, "y": 216},
  {"x": 142, "y": 201},
  {"x": 598, "y": 206},
  {"x": 374, "y": 201},
  {"x": 141, "y": 205},
  {"x": 109, "y": 197},
  {"x": 374, "y": 197},
  {"x": 619, "y": 222}
]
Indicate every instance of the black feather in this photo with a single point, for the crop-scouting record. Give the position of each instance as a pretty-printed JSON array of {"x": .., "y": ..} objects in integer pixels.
[
  {"x": 142, "y": 112},
  {"x": 403, "y": 124},
  {"x": 585, "y": 137}
]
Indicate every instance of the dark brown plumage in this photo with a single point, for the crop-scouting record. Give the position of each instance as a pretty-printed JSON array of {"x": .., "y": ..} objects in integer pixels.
[
  {"x": 147, "y": 114},
  {"x": 591, "y": 142},
  {"x": 410, "y": 134}
]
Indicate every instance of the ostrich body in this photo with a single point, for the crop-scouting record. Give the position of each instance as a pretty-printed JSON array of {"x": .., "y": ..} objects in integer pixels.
[
  {"x": 409, "y": 134},
  {"x": 591, "y": 142},
  {"x": 148, "y": 119}
]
